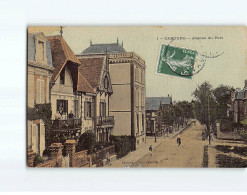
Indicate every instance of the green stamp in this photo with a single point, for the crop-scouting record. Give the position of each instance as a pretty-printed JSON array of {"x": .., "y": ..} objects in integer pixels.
[{"x": 176, "y": 61}]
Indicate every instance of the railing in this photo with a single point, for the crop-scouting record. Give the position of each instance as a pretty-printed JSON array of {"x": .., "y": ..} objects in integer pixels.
[
  {"x": 102, "y": 154},
  {"x": 106, "y": 120},
  {"x": 66, "y": 124}
]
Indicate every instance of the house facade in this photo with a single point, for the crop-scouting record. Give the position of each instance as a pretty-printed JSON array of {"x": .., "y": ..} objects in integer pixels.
[
  {"x": 65, "y": 101},
  {"x": 155, "y": 122},
  {"x": 39, "y": 69},
  {"x": 126, "y": 102},
  {"x": 95, "y": 70},
  {"x": 239, "y": 104}
]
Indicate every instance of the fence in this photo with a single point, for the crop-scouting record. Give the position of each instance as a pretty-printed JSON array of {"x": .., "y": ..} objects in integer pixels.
[{"x": 104, "y": 154}]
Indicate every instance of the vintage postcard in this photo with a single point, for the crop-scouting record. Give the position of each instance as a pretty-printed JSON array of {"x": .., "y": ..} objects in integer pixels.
[{"x": 137, "y": 96}]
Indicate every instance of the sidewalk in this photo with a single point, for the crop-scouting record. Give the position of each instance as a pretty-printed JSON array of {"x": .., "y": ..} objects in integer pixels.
[{"x": 134, "y": 156}]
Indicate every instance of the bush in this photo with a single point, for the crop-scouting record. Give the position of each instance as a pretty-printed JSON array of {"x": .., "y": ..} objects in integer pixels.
[
  {"x": 86, "y": 141},
  {"x": 227, "y": 125},
  {"x": 230, "y": 162},
  {"x": 42, "y": 111},
  {"x": 123, "y": 144},
  {"x": 37, "y": 160},
  {"x": 243, "y": 134}
]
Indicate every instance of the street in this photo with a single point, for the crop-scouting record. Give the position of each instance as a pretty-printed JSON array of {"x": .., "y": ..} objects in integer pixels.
[{"x": 169, "y": 154}]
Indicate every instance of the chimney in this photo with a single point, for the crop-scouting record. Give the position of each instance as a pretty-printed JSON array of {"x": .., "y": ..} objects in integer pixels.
[
  {"x": 91, "y": 42},
  {"x": 245, "y": 83}
]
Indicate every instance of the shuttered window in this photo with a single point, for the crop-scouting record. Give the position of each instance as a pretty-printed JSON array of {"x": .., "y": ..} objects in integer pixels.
[
  {"x": 40, "y": 92},
  {"x": 87, "y": 110}
]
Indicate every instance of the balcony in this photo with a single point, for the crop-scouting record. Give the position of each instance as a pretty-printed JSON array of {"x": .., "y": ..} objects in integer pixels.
[
  {"x": 107, "y": 121},
  {"x": 70, "y": 128}
]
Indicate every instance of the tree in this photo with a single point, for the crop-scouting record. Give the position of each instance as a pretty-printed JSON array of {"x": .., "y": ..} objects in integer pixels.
[
  {"x": 205, "y": 105},
  {"x": 223, "y": 97},
  {"x": 86, "y": 141}
]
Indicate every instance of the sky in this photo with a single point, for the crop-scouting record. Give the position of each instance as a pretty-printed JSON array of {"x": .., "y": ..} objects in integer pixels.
[{"x": 229, "y": 68}]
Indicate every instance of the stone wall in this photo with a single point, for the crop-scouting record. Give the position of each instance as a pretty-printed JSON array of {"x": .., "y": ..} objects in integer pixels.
[{"x": 76, "y": 159}]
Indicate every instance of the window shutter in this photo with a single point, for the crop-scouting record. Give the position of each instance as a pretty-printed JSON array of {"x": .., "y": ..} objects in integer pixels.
[
  {"x": 57, "y": 105},
  {"x": 85, "y": 110},
  {"x": 38, "y": 92},
  {"x": 92, "y": 109},
  {"x": 42, "y": 97},
  {"x": 66, "y": 106}
]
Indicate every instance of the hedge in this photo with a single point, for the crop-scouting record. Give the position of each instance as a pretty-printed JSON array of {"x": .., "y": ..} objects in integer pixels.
[{"x": 123, "y": 144}]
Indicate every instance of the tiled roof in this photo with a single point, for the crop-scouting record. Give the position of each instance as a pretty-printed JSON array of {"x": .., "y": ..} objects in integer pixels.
[
  {"x": 61, "y": 53},
  {"x": 91, "y": 69},
  {"x": 153, "y": 103},
  {"x": 103, "y": 48},
  {"x": 83, "y": 85}
]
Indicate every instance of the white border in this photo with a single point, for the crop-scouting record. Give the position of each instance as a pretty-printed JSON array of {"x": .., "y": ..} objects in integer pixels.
[{"x": 16, "y": 15}]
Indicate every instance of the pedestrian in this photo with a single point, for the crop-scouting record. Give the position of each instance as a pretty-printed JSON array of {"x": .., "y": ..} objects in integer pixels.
[
  {"x": 179, "y": 141},
  {"x": 150, "y": 150},
  {"x": 155, "y": 139},
  {"x": 71, "y": 115}
]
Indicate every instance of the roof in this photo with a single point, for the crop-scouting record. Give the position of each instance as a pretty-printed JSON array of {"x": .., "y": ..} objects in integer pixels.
[
  {"x": 61, "y": 54},
  {"x": 153, "y": 103},
  {"x": 91, "y": 69},
  {"x": 83, "y": 85},
  {"x": 104, "y": 48}
]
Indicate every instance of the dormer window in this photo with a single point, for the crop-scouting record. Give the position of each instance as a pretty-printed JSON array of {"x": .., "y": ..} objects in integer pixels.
[
  {"x": 106, "y": 83},
  {"x": 40, "y": 52},
  {"x": 62, "y": 76}
]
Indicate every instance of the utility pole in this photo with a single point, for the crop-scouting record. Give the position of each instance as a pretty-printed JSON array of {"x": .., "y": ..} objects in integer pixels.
[{"x": 209, "y": 133}]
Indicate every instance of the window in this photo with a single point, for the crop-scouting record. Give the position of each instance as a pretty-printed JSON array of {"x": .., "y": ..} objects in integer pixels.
[
  {"x": 137, "y": 75},
  {"x": 62, "y": 107},
  {"x": 88, "y": 110},
  {"x": 137, "y": 121},
  {"x": 41, "y": 50},
  {"x": 103, "y": 109},
  {"x": 76, "y": 108},
  {"x": 143, "y": 121},
  {"x": 62, "y": 76},
  {"x": 40, "y": 91},
  {"x": 106, "y": 83}
]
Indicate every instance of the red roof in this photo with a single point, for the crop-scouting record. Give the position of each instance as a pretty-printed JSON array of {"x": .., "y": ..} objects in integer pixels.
[
  {"x": 83, "y": 85},
  {"x": 61, "y": 54},
  {"x": 91, "y": 69}
]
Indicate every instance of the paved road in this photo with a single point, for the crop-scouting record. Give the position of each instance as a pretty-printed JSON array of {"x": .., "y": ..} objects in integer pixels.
[{"x": 168, "y": 154}]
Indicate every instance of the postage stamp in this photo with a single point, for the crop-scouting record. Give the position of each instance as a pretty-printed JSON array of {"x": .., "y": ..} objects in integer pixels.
[{"x": 176, "y": 61}]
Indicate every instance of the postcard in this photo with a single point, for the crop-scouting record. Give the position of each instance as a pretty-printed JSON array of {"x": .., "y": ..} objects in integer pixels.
[{"x": 137, "y": 96}]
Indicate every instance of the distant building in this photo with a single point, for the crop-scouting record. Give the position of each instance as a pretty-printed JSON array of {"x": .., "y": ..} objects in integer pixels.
[
  {"x": 154, "y": 107},
  {"x": 239, "y": 104},
  {"x": 127, "y": 99},
  {"x": 39, "y": 75}
]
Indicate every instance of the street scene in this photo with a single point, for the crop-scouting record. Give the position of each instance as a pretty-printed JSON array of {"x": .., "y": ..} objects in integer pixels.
[{"x": 103, "y": 97}]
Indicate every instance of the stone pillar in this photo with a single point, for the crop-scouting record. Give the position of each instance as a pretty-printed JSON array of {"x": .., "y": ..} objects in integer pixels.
[
  {"x": 30, "y": 157},
  {"x": 56, "y": 153},
  {"x": 70, "y": 150}
]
